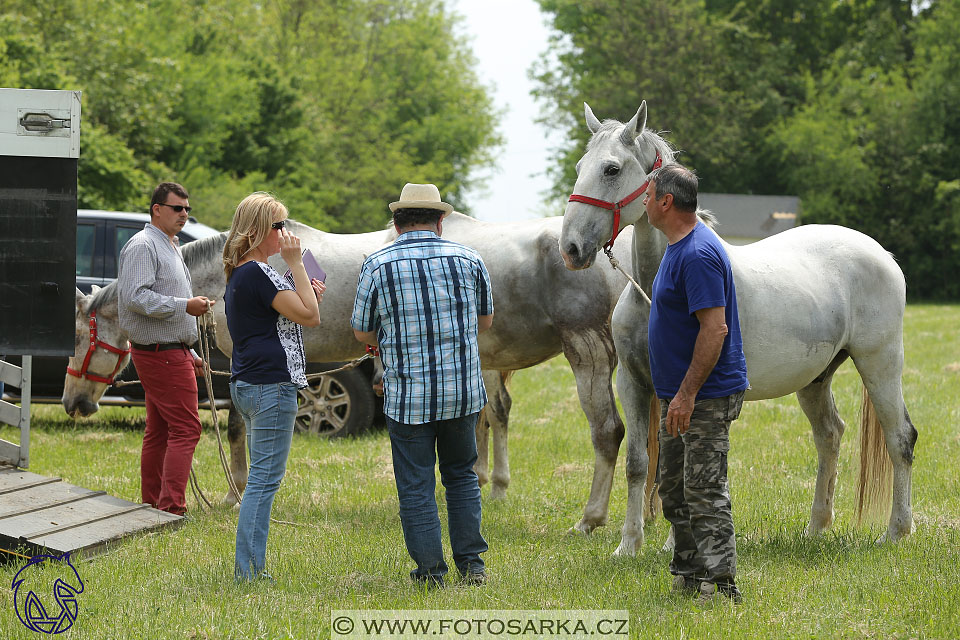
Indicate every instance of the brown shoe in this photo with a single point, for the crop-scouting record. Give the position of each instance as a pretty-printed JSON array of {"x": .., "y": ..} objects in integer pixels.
[
  {"x": 685, "y": 584},
  {"x": 713, "y": 592}
]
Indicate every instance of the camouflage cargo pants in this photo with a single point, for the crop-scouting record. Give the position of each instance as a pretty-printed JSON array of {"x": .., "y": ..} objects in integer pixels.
[{"x": 694, "y": 491}]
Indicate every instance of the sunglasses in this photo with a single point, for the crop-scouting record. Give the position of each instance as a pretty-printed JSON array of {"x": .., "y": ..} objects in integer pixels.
[
  {"x": 277, "y": 225},
  {"x": 177, "y": 207}
]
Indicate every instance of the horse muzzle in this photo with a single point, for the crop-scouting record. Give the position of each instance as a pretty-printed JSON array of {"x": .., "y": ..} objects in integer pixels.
[
  {"x": 79, "y": 407},
  {"x": 575, "y": 258}
]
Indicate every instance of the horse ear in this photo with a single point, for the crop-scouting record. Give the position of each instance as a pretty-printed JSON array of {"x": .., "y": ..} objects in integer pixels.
[
  {"x": 637, "y": 123},
  {"x": 592, "y": 123},
  {"x": 80, "y": 296}
]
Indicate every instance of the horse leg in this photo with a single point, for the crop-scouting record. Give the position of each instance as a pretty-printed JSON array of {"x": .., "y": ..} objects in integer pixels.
[
  {"x": 237, "y": 438},
  {"x": 499, "y": 416},
  {"x": 635, "y": 398},
  {"x": 592, "y": 358},
  {"x": 881, "y": 371},
  {"x": 817, "y": 402},
  {"x": 482, "y": 465}
]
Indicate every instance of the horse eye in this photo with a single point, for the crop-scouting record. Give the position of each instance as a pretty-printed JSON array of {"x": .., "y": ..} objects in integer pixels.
[{"x": 611, "y": 170}]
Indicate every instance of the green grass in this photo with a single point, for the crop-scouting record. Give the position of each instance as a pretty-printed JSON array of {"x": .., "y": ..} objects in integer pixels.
[{"x": 348, "y": 551}]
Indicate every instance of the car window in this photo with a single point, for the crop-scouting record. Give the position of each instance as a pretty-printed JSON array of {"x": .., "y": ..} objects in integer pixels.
[
  {"x": 123, "y": 234},
  {"x": 86, "y": 236}
]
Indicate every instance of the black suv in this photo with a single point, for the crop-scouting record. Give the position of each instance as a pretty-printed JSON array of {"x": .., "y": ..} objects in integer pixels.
[{"x": 336, "y": 405}]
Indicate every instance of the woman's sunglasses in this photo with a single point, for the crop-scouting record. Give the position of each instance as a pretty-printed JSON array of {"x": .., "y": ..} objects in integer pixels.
[{"x": 277, "y": 225}]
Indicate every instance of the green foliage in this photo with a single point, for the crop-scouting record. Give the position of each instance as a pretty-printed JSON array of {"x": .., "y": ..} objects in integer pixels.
[
  {"x": 875, "y": 148},
  {"x": 332, "y": 105},
  {"x": 850, "y": 105}
]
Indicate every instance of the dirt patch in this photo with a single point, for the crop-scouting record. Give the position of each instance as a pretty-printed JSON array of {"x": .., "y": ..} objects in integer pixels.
[{"x": 570, "y": 467}]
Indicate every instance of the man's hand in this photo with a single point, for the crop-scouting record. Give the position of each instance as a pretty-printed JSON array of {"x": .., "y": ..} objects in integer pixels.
[
  {"x": 199, "y": 305},
  {"x": 199, "y": 366},
  {"x": 678, "y": 414}
]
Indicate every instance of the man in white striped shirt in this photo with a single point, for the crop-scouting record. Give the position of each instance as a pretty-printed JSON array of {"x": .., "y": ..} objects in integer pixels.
[
  {"x": 157, "y": 306},
  {"x": 423, "y": 300}
]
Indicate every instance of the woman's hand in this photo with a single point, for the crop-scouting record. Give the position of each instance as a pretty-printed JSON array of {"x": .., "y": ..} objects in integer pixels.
[
  {"x": 318, "y": 289},
  {"x": 290, "y": 248}
]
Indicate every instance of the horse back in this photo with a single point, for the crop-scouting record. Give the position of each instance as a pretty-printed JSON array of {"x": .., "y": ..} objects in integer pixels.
[{"x": 806, "y": 294}]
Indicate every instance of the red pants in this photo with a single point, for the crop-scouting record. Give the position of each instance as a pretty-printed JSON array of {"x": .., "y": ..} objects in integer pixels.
[{"x": 173, "y": 426}]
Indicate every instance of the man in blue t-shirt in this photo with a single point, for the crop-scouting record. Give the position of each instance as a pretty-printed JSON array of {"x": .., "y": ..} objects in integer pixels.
[{"x": 700, "y": 375}]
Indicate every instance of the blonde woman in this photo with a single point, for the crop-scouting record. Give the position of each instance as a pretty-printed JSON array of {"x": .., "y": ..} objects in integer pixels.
[{"x": 264, "y": 316}]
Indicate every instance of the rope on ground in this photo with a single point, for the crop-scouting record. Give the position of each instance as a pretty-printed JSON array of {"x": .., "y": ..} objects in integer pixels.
[
  {"x": 197, "y": 493},
  {"x": 14, "y": 553},
  {"x": 616, "y": 265}
]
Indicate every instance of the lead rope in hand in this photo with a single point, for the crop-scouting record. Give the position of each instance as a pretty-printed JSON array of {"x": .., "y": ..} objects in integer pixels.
[
  {"x": 207, "y": 378},
  {"x": 616, "y": 265}
]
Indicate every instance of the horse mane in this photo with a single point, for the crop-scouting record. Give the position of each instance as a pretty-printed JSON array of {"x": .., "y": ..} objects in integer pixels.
[
  {"x": 647, "y": 139},
  {"x": 204, "y": 249},
  {"x": 103, "y": 297}
]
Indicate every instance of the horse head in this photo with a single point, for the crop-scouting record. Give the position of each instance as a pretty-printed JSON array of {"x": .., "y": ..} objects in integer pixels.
[
  {"x": 611, "y": 179},
  {"x": 101, "y": 351}
]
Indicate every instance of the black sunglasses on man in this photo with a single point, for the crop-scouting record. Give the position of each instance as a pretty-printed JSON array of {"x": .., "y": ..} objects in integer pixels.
[{"x": 176, "y": 207}]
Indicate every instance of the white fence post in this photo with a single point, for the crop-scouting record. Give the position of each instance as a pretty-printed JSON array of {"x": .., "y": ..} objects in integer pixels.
[{"x": 10, "y": 453}]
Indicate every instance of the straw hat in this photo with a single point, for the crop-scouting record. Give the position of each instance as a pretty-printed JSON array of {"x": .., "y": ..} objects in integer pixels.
[{"x": 421, "y": 196}]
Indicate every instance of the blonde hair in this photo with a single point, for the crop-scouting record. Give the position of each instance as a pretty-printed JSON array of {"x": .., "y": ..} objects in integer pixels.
[{"x": 252, "y": 223}]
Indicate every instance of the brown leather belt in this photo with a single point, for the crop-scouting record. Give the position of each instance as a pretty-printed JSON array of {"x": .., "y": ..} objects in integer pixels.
[{"x": 159, "y": 346}]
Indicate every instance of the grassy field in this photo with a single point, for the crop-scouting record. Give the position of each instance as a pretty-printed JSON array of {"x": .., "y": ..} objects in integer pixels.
[{"x": 348, "y": 553}]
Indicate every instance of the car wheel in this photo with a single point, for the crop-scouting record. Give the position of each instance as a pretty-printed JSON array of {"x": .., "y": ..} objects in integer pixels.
[{"x": 336, "y": 405}]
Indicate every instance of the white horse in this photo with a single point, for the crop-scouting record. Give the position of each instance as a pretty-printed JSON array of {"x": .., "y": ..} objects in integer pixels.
[
  {"x": 541, "y": 310},
  {"x": 808, "y": 299}
]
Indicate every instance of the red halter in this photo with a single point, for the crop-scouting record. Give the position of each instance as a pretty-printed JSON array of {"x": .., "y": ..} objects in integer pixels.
[
  {"x": 617, "y": 206},
  {"x": 94, "y": 343}
]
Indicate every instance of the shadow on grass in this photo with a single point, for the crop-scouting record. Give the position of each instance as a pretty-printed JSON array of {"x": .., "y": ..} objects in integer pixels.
[{"x": 792, "y": 546}]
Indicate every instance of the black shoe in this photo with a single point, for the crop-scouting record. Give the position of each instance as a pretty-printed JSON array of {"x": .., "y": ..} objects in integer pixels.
[
  {"x": 475, "y": 578},
  {"x": 429, "y": 582}
]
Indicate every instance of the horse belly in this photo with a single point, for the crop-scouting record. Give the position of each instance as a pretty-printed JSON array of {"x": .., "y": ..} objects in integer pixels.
[
  {"x": 508, "y": 350},
  {"x": 785, "y": 358}
]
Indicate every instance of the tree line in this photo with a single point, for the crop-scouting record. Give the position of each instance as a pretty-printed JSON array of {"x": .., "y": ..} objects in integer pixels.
[
  {"x": 330, "y": 104},
  {"x": 333, "y": 104},
  {"x": 851, "y": 105}
]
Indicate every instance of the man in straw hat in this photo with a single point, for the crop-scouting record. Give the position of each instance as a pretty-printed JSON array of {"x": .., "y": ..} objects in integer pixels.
[{"x": 423, "y": 300}]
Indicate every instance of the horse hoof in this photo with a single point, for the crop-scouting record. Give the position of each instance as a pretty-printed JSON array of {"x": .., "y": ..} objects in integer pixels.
[
  {"x": 229, "y": 500},
  {"x": 669, "y": 544},
  {"x": 893, "y": 537},
  {"x": 579, "y": 529},
  {"x": 498, "y": 493},
  {"x": 627, "y": 549}
]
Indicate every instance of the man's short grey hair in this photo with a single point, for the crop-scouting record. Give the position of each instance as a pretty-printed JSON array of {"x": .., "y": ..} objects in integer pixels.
[{"x": 679, "y": 182}]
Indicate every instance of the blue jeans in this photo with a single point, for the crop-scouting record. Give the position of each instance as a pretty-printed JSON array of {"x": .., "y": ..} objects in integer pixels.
[
  {"x": 415, "y": 451},
  {"x": 268, "y": 412}
]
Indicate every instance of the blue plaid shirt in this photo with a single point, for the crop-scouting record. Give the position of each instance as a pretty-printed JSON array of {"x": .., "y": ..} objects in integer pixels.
[{"x": 422, "y": 296}]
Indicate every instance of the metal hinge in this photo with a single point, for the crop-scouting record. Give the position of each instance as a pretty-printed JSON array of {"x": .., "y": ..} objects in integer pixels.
[{"x": 43, "y": 122}]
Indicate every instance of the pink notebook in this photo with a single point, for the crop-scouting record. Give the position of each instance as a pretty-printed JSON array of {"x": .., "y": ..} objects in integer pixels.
[{"x": 314, "y": 270}]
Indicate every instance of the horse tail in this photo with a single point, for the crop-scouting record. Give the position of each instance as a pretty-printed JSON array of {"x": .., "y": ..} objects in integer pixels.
[
  {"x": 652, "y": 507},
  {"x": 874, "y": 486}
]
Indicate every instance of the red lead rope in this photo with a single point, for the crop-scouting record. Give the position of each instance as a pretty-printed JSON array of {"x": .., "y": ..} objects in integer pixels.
[{"x": 617, "y": 206}]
